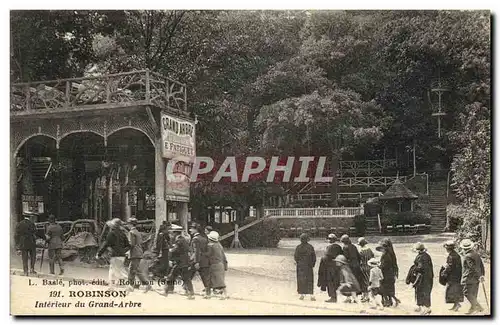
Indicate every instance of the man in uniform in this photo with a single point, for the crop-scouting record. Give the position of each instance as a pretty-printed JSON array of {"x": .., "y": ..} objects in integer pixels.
[
  {"x": 135, "y": 256},
  {"x": 54, "y": 235},
  {"x": 472, "y": 274},
  {"x": 199, "y": 258},
  {"x": 25, "y": 238}
]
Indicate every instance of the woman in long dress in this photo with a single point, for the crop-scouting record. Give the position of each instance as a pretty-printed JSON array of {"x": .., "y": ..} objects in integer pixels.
[
  {"x": 305, "y": 258},
  {"x": 424, "y": 281},
  {"x": 218, "y": 264},
  {"x": 391, "y": 298},
  {"x": 365, "y": 254},
  {"x": 453, "y": 274}
]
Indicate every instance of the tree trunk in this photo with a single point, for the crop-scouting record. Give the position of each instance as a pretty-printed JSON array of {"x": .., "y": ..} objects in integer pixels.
[{"x": 124, "y": 192}]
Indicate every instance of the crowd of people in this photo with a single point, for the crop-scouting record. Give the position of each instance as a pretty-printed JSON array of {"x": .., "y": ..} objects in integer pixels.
[
  {"x": 362, "y": 277},
  {"x": 177, "y": 255}
]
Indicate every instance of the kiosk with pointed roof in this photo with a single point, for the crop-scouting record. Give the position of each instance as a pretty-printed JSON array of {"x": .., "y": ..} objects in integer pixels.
[{"x": 398, "y": 198}]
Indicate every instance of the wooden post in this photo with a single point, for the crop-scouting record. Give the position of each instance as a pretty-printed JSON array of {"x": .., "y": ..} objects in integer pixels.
[
  {"x": 236, "y": 241},
  {"x": 95, "y": 199},
  {"x": 160, "y": 179},
  {"x": 110, "y": 195},
  {"x": 13, "y": 200}
]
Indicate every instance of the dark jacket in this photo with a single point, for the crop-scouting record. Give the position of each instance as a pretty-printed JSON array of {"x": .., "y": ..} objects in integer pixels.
[
  {"x": 180, "y": 252},
  {"x": 25, "y": 235},
  {"x": 162, "y": 244},
  {"x": 54, "y": 236},
  {"x": 425, "y": 279},
  {"x": 199, "y": 250},
  {"x": 453, "y": 269},
  {"x": 388, "y": 267},
  {"x": 333, "y": 250},
  {"x": 117, "y": 241},
  {"x": 473, "y": 268},
  {"x": 135, "y": 240},
  {"x": 352, "y": 254}
]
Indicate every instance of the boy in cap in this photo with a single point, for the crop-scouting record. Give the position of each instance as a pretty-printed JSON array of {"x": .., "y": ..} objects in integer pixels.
[
  {"x": 374, "y": 283},
  {"x": 472, "y": 274}
]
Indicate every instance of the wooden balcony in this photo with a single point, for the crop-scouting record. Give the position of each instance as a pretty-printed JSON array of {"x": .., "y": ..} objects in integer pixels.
[
  {"x": 327, "y": 196},
  {"x": 118, "y": 91}
]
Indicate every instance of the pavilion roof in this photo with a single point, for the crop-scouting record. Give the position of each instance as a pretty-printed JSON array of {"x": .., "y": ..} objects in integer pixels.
[{"x": 398, "y": 191}]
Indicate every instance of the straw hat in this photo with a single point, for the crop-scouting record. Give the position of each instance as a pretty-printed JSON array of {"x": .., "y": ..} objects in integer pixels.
[
  {"x": 332, "y": 236},
  {"x": 373, "y": 262},
  {"x": 345, "y": 239},
  {"x": 466, "y": 244},
  {"x": 449, "y": 244},
  {"x": 362, "y": 241},
  {"x": 419, "y": 247},
  {"x": 115, "y": 222},
  {"x": 213, "y": 236},
  {"x": 341, "y": 259}
]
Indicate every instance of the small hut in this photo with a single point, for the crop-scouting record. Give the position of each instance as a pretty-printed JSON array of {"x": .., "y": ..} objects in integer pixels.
[{"x": 398, "y": 198}]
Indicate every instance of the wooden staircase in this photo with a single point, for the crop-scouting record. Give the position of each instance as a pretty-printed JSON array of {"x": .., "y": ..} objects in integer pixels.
[{"x": 437, "y": 206}]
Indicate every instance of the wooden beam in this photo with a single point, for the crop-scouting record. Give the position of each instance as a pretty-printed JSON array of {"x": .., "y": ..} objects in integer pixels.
[{"x": 155, "y": 126}]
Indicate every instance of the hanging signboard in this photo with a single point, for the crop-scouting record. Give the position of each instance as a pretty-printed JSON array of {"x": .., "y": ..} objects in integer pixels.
[
  {"x": 178, "y": 138},
  {"x": 32, "y": 204},
  {"x": 178, "y": 146},
  {"x": 177, "y": 182}
]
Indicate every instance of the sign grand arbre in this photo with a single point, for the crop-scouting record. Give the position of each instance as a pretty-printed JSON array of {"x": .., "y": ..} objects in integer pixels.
[
  {"x": 178, "y": 138},
  {"x": 178, "y": 145}
]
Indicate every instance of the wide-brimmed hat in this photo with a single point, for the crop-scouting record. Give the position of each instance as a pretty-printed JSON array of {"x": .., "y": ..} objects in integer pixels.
[
  {"x": 331, "y": 236},
  {"x": 466, "y": 244},
  {"x": 381, "y": 246},
  {"x": 341, "y": 259},
  {"x": 419, "y": 247},
  {"x": 449, "y": 244},
  {"x": 115, "y": 222},
  {"x": 362, "y": 241},
  {"x": 373, "y": 262},
  {"x": 345, "y": 239},
  {"x": 213, "y": 236}
]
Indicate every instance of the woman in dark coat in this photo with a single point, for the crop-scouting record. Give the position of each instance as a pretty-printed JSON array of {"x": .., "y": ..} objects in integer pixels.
[
  {"x": 329, "y": 272},
  {"x": 424, "y": 281},
  {"x": 305, "y": 258},
  {"x": 365, "y": 254},
  {"x": 389, "y": 271},
  {"x": 351, "y": 253},
  {"x": 453, "y": 274}
]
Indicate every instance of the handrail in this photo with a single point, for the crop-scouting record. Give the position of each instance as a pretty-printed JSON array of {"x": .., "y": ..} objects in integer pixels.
[{"x": 120, "y": 88}]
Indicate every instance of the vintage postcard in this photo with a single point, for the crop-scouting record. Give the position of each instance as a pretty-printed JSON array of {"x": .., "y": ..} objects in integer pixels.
[{"x": 257, "y": 162}]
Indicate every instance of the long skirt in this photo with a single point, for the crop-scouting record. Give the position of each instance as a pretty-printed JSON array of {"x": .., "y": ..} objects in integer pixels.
[
  {"x": 423, "y": 294},
  {"x": 305, "y": 280},
  {"x": 364, "y": 280},
  {"x": 217, "y": 276},
  {"x": 387, "y": 287},
  {"x": 454, "y": 293}
]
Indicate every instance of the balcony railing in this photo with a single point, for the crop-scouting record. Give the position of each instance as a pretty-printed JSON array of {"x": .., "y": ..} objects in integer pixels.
[
  {"x": 340, "y": 196},
  {"x": 313, "y": 212},
  {"x": 128, "y": 88}
]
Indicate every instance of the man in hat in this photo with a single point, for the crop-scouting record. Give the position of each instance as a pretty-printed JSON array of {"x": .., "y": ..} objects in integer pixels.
[
  {"x": 452, "y": 272},
  {"x": 328, "y": 273},
  {"x": 199, "y": 258},
  {"x": 25, "y": 238},
  {"x": 180, "y": 256},
  {"x": 54, "y": 235},
  {"x": 424, "y": 282},
  {"x": 161, "y": 248},
  {"x": 118, "y": 243},
  {"x": 135, "y": 255},
  {"x": 472, "y": 274}
]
